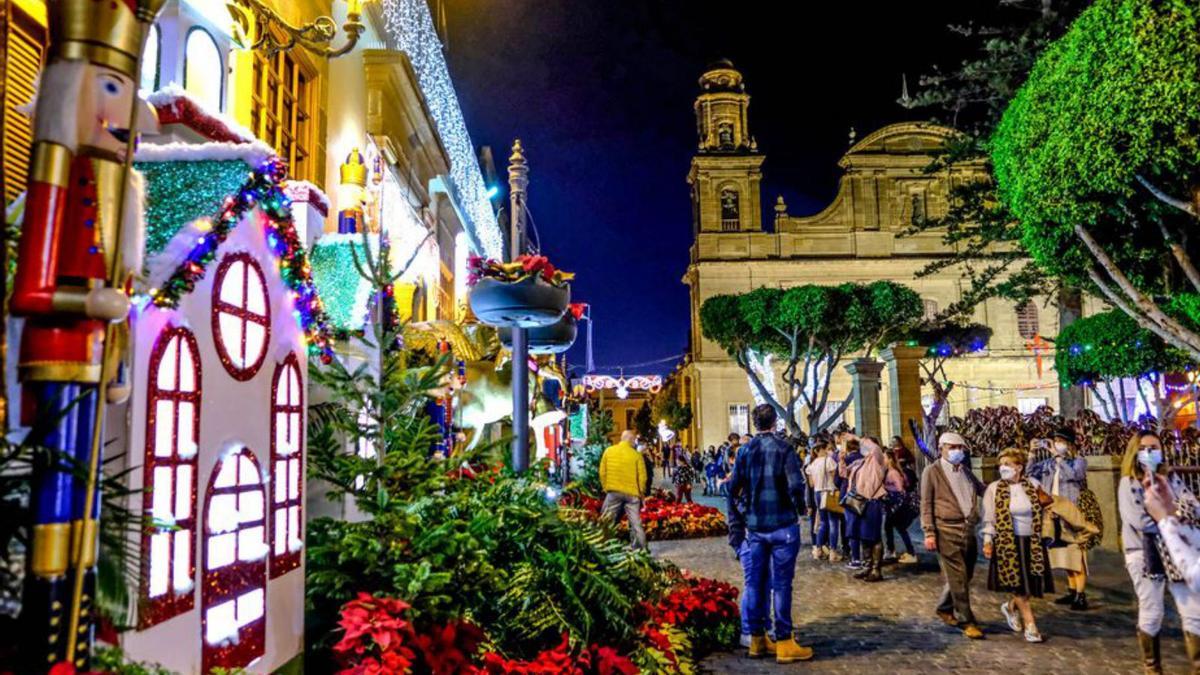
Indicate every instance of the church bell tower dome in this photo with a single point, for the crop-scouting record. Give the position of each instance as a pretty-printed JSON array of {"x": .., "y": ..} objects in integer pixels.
[{"x": 721, "y": 120}]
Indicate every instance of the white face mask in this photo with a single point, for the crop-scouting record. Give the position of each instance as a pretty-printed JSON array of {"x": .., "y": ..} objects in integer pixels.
[
  {"x": 1060, "y": 448},
  {"x": 955, "y": 456},
  {"x": 1008, "y": 472},
  {"x": 1150, "y": 459}
]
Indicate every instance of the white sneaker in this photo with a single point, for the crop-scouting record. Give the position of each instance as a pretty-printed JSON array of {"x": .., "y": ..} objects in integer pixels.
[
  {"x": 824, "y": 553},
  {"x": 1032, "y": 635},
  {"x": 835, "y": 556},
  {"x": 816, "y": 553},
  {"x": 745, "y": 640},
  {"x": 907, "y": 559},
  {"x": 1014, "y": 620}
]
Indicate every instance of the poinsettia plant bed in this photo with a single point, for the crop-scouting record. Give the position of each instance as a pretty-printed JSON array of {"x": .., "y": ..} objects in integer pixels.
[{"x": 662, "y": 518}]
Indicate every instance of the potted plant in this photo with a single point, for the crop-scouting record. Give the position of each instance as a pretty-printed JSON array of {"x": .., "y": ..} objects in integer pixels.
[
  {"x": 555, "y": 338},
  {"x": 525, "y": 293}
]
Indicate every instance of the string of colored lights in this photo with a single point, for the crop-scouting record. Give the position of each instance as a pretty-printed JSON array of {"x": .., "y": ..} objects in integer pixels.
[
  {"x": 263, "y": 189},
  {"x": 410, "y": 29}
]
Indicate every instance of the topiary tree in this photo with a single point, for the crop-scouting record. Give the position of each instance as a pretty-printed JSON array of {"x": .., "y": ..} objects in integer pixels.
[
  {"x": 810, "y": 329},
  {"x": 1098, "y": 158},
  {"x": 1109, "y": 346}
]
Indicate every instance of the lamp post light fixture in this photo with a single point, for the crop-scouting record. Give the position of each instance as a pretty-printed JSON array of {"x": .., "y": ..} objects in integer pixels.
[{"x": 257, "y": 27}]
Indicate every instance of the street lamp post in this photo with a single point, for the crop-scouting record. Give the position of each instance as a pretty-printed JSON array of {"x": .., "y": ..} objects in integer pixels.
[{"x": 518, "y": 183}]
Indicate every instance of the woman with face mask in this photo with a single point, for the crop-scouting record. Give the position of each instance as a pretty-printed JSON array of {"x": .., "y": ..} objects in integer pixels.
[
  {"x": 1064, "y": 475},
  {"x": 1013, "y": 517},
  {"x": 1147, "y": 560}
]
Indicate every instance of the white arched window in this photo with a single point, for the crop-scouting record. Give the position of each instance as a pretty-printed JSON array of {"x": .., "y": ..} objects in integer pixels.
[
  {"x": 172, "y": 439},
  {"x": 233, "y": 624},
  {"x": 150, "y": 63},
  {"x": 241, "y": 316},
  {"x": 203, "y": 72},
  {"x": 287, "y": 478}
]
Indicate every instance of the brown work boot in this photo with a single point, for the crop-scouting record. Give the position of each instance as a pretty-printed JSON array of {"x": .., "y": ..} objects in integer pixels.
[
  {"x": 1151, "y": 653},
  {"x": 787, "y": 651},
  {"x": 1192, "y": 642},
  {"x": 972, "y": 631},
  {"x": 760, "y": 646}
]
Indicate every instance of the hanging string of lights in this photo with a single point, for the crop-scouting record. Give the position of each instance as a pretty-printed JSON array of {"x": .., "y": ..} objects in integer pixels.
[{"x": 410, "y": 29}]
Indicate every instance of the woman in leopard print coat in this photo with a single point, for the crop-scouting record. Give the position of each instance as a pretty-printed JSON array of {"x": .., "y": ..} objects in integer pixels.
[{"x": 1014, "y": 510}]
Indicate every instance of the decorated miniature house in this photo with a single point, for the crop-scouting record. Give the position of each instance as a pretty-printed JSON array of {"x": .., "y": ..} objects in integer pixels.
[{"x": 225, "y": 321}]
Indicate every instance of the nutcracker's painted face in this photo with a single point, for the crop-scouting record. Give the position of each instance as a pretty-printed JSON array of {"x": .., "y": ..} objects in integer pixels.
[{"x": 111, "y": 94}]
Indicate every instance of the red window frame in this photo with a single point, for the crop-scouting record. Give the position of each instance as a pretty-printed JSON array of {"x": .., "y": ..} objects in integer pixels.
[
  {"x": 232, "y": 580},
  {"x": 155, "y": 610},
  {"x": 246, "y": 317},
  {"x": 283, "y": 561}
]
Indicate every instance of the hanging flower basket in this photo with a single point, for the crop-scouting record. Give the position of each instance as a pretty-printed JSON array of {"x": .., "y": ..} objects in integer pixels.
[
  {"x": 553, "y": 339},
  {"x": 526, "y": 293}
]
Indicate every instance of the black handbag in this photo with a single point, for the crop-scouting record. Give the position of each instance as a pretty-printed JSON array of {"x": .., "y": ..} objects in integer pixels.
[{"x": 854, "y": 502}]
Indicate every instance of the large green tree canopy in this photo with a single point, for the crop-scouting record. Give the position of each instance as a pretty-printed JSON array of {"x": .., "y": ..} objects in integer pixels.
[
  {"x": 1098, "y": 157},
  {"x": 1111, "y": 346},
  {"x": 809, "y": 328}
]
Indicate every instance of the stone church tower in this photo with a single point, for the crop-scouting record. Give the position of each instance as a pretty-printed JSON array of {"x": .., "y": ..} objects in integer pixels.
[
  {"x": 727, "y": 168},
  {"x": 860, "y": 236}
]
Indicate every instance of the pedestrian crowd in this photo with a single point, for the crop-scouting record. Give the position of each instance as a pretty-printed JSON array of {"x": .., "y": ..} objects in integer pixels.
[{"x": 860, "y": 498}]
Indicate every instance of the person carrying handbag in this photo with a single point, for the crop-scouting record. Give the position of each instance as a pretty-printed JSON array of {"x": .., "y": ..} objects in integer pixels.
[
  {"x": 822, "y": 477},
  {"x": 902, "y": 505},
  {"x": 866, "y": 496}
]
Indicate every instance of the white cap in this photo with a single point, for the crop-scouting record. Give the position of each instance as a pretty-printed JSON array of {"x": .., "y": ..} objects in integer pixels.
[{"x": 951, "y": 438}]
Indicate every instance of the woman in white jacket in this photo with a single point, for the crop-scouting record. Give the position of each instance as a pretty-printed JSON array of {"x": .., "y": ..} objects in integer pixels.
[
  {"x": 822, "y": 476},
  {"x": 1146, "y": 543}
]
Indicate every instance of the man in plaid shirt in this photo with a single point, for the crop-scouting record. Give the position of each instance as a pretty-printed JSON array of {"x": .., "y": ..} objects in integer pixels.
[{"x": 766, "y": 498}]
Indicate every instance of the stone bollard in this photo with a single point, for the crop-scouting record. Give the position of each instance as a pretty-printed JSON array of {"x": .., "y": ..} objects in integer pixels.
[{"x": 1104, "y": 473}]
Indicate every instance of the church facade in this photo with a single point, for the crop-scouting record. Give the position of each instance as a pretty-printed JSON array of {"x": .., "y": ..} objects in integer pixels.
[{"x": 858, "y": 237}]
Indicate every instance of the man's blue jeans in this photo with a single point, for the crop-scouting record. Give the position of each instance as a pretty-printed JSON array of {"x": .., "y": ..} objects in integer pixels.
[{"x": 769, "y": 565}]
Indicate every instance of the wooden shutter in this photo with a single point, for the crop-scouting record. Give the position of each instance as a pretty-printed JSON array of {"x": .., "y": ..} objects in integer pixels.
[{"x": 24, "y": 42}]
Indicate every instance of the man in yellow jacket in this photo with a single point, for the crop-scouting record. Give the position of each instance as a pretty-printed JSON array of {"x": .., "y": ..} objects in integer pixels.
[{"x": 623, "y": 477}]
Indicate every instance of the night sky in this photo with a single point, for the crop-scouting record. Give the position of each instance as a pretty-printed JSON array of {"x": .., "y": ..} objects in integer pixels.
[{"x": 600, "y": 93}]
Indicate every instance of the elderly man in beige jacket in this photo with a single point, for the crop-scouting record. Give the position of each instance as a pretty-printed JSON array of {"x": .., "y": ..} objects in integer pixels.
[{"x": 949, "y": 515}]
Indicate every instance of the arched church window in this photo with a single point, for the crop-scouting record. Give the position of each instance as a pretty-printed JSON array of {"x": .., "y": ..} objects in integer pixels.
[{"x": 730, "y": 208}]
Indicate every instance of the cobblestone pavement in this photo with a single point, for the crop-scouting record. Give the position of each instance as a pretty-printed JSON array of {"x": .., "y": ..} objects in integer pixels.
[{"x": 889, "y": 627}]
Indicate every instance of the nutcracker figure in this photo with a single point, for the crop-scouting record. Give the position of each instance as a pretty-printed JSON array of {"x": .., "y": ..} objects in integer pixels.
[
  {"x": 81, "y": 219},
  {"x": 352, "y": 193}
]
